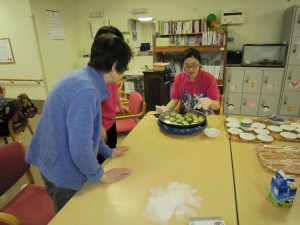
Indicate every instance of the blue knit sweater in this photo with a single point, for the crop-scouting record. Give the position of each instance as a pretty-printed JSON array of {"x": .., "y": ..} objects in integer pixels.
[{"x": 68, "y": 136}]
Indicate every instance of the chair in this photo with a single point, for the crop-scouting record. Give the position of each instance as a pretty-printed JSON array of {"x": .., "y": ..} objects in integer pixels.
[
  {"x": 137, "y": 108},
  {"x": 32, "y": 205},
  {"x": 14, "y": 126},
  {"x": 122, "y": 94}
]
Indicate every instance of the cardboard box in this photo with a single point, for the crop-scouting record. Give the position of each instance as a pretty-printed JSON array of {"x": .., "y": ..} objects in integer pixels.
[{"x": 283, "y": 189}]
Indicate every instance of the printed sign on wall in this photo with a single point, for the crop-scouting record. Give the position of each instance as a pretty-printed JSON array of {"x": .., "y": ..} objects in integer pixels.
[
  {"x": 55, "y": 25},
  {"x": 6, "y": 53}
]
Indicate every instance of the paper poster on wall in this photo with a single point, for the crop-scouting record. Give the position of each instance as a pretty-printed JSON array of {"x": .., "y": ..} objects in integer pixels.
[
  {"x": 6, "y": 53},
  {"x": 95, "y": 25},
  {"x": 55, "y": 25}
]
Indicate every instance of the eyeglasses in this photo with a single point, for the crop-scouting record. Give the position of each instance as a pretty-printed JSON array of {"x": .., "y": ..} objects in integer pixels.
[{"x": 193, "y": 67}]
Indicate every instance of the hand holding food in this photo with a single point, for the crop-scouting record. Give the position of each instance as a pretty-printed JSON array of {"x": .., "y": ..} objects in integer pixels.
[
  {"x": 161, "y": 109},
  {"x": 203, "y": 103}
]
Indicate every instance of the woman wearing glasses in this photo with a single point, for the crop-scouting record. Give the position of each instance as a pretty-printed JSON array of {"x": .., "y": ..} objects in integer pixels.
[{"x": 194, "y": 88}]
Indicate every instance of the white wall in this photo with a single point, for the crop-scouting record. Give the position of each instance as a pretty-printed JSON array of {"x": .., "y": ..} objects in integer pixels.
[
  {"x": 263, "y": 24},
  {"x": 16, "y": 24},
  {"x": 37, "y": 56},
  {"x": 59, "y": 56}
]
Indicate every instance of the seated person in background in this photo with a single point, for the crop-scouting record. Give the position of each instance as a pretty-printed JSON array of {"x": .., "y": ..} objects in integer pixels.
[{"x": 193, "y": 88}]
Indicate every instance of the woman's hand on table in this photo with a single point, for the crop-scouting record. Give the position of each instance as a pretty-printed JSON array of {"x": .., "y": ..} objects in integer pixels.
[
  {"x": 119, "y": 151},
  {"x": 203, "y": 103},
  {"x": 115, "y": 175}
]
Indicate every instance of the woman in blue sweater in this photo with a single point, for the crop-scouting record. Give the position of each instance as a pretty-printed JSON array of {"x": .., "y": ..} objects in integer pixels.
[{"x": 68, "y": 136}]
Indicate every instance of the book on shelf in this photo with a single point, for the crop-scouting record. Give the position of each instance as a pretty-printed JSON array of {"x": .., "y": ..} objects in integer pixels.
[
  {"x": 181, "y": 27},
  {"x": 165, "y": 27},
  {"x": 196, "y": 26},
  {"x": 187, "y": 27},
  {"x": 216, "y": 71},
  {"x": 178, "y": 29},
  {"x": 192, "y": 33}
]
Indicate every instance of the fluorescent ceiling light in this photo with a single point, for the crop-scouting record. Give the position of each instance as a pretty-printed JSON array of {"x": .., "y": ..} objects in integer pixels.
[{"x": 144, "y": 19}]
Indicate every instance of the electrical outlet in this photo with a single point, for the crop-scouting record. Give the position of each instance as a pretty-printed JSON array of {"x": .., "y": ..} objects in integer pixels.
[{"x": 230, "y": 40}]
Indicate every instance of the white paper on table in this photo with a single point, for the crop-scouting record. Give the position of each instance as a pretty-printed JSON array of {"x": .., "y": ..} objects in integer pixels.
[{"x": 176, "y": 200}]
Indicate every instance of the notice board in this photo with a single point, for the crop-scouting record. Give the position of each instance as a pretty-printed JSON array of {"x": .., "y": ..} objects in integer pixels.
[{"x": 6, "y": 53}]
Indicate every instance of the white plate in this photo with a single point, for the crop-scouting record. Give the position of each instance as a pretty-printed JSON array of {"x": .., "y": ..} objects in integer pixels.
[
  {"x": 235, "y": 131},
  {"x": 236, "y": 125},
  {"x": 297, "y": 125},
  {"x": 247, "y": 120},
  {"x": 274, "y": 128},
  {"x": 288, "y": 127},
  {"x": 212, "y": 132},
  {"x": 298, "y": 130},
  {"x": 259, "y": 125},
  {"x": 261, "y": 131},
  {"x": 232, "y": 120},
  {"x": 265, "y": 138},
  {"x": 247, "y": 136},
  {"x": 288, "y": 135},
  {"x": 247, "y": 128}
]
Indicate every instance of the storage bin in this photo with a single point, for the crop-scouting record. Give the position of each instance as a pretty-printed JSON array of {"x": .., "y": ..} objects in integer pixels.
[
  {"x": 160, "y": 66},
  {"x": 264, "y": 55}
]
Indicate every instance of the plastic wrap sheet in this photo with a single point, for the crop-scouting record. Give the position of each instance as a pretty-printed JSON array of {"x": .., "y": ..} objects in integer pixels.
[{"x": 275, "y": 158}]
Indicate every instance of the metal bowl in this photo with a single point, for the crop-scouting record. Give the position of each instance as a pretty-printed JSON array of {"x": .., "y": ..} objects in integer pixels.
[{"x": 275, "y": 119}]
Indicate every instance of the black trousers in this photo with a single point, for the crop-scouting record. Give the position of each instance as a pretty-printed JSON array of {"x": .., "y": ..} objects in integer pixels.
[
  {"x": 111, "y": 141},
  {"x": 60, "y": 196}
]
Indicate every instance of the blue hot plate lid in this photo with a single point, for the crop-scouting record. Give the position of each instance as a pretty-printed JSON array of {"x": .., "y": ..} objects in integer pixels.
[{"x": 177, "y": 130}]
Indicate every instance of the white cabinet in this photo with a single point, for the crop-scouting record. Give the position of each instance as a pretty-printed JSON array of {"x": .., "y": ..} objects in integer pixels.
[
  {"x": 290, "y": 102},
  {"x": 252, "y": 91},
  {"x": 232, "y": 103},
  {"x": 232, "y": 91},
  {"x": 252, "y": 81},
  {"x": 250, "y": 104}
]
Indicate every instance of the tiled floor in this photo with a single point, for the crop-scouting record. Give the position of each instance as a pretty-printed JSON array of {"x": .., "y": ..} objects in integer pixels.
[{"x": 25, "y": 138}]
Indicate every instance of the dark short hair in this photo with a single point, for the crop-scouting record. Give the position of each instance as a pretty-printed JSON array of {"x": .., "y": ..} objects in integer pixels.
[
  {"x": 108, "y": 49},
  {"x": 109, "y": 29},
  {"x": 191, "y": 52}
]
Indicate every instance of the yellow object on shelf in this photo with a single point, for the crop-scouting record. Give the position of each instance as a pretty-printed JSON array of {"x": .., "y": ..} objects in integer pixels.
[{"x": 164, "y": 41}]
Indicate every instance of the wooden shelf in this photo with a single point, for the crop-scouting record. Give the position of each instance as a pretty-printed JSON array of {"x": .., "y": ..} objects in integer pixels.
[
  {"x": 181, "y": 34},
  {"x": 168, "y": 33},
  {"x": 201, "y": 48}
]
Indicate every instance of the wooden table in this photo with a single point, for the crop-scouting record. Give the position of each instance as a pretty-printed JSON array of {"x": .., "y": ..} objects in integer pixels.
[
  {"x": 252, "y": 184},
  {"x": 156, "y": 158}
]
